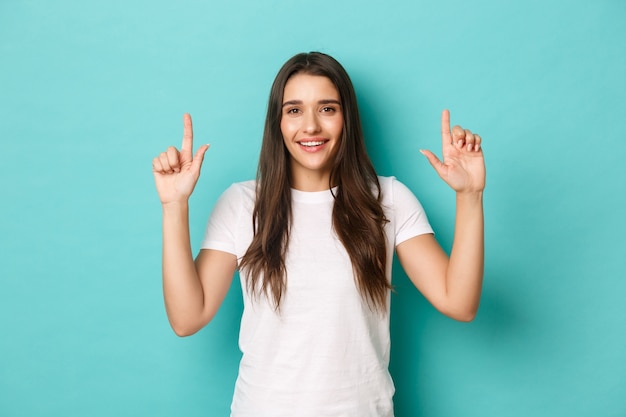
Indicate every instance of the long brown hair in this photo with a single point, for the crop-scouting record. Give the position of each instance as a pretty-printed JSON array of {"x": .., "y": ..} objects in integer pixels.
[{"x": 358, "y": 217}]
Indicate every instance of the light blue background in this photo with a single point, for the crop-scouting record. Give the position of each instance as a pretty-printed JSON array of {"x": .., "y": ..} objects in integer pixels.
[{"x": 90, "y": 91}]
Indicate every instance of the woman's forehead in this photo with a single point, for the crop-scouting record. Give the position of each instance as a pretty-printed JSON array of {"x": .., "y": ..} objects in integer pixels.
[{"x": 305, "y": 87}]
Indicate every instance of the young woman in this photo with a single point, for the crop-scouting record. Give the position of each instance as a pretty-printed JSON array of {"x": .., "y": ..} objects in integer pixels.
[{"x": 313, "y": 238}]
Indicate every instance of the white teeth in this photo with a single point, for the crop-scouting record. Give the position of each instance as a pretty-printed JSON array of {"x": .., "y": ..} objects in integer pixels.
[{"x": 316, "y": 143}]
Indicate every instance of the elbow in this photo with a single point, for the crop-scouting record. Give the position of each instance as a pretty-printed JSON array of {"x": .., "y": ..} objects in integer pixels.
[
  {"x": 188, "y": 326},
  {"x": 184, "y": 329},
  {"x": 183, "y": 332},
  {"x": 465, "y": 317},
  {"x": 462, "y": 315}
]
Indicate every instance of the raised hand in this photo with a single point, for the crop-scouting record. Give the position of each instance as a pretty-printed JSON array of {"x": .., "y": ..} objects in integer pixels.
[
  {"x": 176, "y": 173},
  {"x": 463, "y": 166}
]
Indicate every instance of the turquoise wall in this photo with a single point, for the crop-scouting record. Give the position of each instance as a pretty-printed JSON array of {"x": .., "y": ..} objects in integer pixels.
[{"x": 90, "y": 91}]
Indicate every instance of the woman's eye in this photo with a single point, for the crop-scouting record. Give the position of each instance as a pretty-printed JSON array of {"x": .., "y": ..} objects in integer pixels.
[
  {"x": 328, "y": 109},
  {"x": 293, "y": 111}
]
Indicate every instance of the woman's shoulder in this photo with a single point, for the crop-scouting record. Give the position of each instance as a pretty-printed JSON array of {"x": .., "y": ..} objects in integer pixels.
[
  {"x": 245, "y": 190},
  {"x": 386, "y": 182},
  {"x": 389, "y": 184},
  {"x": 394, "y": 190},
  {"x": 244, "y": 186}
]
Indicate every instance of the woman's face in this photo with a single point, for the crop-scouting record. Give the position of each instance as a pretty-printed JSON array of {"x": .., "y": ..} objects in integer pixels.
[{"x": 311, "y": 124}]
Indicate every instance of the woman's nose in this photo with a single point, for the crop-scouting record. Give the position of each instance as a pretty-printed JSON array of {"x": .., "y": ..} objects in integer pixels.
[{"x": 311, "y": 123}]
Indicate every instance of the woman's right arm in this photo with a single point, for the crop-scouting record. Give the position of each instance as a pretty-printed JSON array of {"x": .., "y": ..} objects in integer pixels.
[{"x": 193, "y": 291}]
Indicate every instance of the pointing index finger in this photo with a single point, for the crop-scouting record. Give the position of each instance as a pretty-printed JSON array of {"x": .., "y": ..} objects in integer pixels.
[
  {"x": 187, "y": 147},
  {"x": 446, "y": 136}
]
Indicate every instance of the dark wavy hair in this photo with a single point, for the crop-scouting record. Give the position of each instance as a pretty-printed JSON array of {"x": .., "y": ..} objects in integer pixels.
[{"x": 358, "y": 217}]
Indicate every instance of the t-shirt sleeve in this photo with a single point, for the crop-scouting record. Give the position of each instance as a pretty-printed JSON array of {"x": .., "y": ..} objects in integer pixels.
[
  {"x": 222, "y": 224},
  {"x": 410, "y": 217}
]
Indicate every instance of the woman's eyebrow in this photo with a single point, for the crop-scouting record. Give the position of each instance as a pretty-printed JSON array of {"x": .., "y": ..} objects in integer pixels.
[
  {"x": 330, "y": 101},
  {"x": 324, "y": 101}
]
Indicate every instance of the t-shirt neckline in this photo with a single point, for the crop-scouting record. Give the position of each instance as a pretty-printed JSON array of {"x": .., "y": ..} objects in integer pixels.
[{"x": 313, "y": 196}]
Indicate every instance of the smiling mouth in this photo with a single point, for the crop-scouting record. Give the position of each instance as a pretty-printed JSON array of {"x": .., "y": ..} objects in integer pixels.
[{"x": 312, "y": 143}]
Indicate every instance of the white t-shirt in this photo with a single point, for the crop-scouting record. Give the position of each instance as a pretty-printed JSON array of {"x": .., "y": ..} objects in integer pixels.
[{"x": 326, "y": 353}]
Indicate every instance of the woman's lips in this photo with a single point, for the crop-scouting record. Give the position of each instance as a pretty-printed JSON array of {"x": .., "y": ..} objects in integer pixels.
[{"x": 312, "y": 145}]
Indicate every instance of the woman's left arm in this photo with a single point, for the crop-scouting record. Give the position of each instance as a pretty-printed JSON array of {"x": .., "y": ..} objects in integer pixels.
[{"x": 453, "y": 285}]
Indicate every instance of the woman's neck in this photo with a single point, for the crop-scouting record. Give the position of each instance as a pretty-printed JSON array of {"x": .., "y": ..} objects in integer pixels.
[{"x": 310, "y": 181}]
